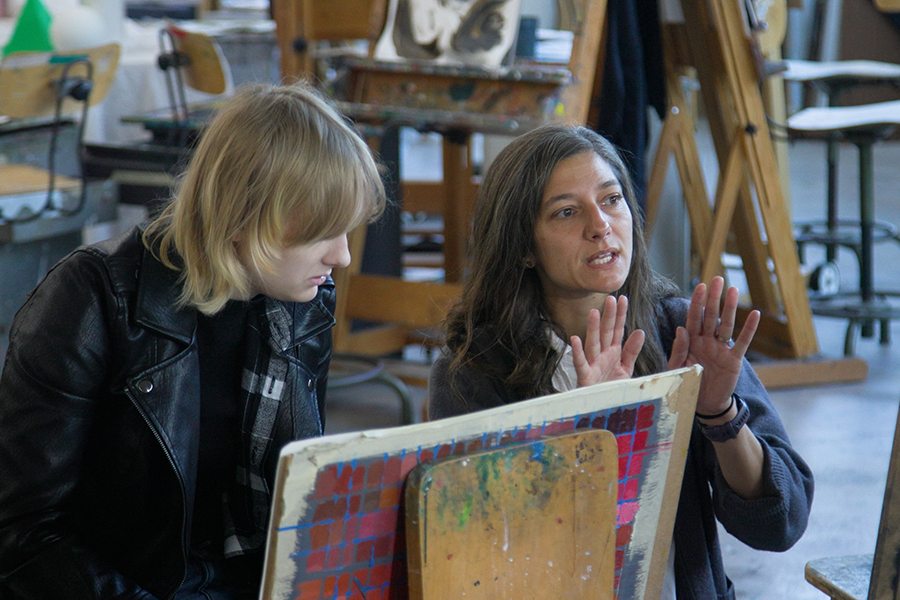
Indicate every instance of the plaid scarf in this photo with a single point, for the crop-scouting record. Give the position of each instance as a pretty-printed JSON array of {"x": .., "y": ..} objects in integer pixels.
[{"x": 263, "y": 387}]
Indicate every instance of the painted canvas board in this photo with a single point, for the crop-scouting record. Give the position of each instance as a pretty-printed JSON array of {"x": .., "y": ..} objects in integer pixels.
[
  {"x": 469, "y": 32},
  {"x": 338, "y": 528}
]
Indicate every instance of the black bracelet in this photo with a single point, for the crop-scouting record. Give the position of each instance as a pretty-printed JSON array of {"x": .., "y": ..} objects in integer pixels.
[
  {"x": 731, "y": 429},
  {"x": 721, "y": 414}
]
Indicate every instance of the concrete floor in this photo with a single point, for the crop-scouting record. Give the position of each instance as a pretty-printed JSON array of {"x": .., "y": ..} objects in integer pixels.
[{"x": 844, "y": 431}]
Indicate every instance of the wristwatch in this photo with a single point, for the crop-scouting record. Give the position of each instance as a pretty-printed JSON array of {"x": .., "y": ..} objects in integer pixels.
[{"x": 728, "y": 431}]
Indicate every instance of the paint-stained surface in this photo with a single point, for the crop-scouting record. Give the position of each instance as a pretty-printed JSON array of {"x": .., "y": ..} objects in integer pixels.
[
  {"x": 338, "y": 521},
  {"x": 536, "y": 520},
  {"x": 453, "y": 96}
]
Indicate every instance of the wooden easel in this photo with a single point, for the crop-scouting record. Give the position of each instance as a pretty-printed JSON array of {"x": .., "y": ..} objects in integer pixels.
[{"x": 720, "y": 49}]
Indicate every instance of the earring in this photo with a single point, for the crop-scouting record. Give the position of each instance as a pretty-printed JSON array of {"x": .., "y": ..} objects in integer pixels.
[{"x": 529, "y": 264}]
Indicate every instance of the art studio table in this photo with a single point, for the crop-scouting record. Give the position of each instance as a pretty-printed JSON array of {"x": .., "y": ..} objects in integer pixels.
[{"x": 454, "y": 101}]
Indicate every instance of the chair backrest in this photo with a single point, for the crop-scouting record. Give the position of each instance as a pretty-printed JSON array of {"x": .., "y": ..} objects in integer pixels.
[
  {"x": 28, "y": 80},
  {"x": 207, "y": 68}
]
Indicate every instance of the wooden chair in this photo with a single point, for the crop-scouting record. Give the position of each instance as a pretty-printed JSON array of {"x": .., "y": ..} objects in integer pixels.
[
  {"x": 395, "y": 312},
  {"x": 194, "y": 60},
  {"x": 41, "y": 84}
]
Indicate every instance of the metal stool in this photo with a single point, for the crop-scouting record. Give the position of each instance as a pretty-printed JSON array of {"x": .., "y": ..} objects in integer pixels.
[
  {"x": 863, "y": 126},
  {"x": 353, "y": 369}
]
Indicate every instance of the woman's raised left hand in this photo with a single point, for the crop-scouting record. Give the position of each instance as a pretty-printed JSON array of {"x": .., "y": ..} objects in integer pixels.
[
  {"x": 707, "y": 339},
  {"x": 603, "y": 356}
]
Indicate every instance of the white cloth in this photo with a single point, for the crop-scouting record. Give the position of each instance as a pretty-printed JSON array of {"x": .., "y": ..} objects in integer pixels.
[{"x": 564, "y": 378}]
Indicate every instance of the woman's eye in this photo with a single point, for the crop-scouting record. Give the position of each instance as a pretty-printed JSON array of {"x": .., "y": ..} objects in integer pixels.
[{"x": 565, "y": 212}]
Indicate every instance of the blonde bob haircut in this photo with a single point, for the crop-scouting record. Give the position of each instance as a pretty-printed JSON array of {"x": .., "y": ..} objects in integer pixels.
[{"x": 277, "y": 167}]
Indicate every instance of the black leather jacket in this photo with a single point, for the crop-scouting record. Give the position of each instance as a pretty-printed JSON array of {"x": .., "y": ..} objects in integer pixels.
[{"x": 99, "y": 420}]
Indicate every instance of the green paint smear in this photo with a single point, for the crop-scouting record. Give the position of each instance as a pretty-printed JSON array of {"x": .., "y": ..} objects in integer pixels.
[{"x": 466, "y": 512}]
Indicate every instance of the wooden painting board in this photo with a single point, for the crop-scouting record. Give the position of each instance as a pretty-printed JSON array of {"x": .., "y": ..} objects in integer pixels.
[
  {"x": 530, "y": 520},
  {"x": 337, "y": 526}
]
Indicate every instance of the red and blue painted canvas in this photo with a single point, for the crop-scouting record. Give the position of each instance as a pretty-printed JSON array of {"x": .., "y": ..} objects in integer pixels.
[{"x": 338, "y": 526}]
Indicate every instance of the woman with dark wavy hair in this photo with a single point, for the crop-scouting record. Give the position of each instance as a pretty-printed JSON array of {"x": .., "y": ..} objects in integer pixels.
[{"x": 561, "y": 295}]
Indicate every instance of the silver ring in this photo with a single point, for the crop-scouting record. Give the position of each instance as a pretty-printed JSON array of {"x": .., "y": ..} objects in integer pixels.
[{"x": 729, "y": 342}]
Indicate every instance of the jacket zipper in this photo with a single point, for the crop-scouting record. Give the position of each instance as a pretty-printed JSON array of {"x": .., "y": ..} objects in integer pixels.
[{"x": 169, "y": 458}]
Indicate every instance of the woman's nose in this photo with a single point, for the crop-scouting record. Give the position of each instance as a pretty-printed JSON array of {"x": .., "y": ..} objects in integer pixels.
[{"x": 598, "y": 224}]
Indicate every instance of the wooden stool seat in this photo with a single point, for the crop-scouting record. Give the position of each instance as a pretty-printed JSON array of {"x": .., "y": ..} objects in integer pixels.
[
  {"x": 867, "y": 576},
  {"x": 850, "y": 72},
  {"x": 867, "y": 119}
]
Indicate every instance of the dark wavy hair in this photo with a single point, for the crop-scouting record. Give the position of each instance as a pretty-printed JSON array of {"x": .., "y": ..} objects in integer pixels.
[{"x": 502, "y": 304}]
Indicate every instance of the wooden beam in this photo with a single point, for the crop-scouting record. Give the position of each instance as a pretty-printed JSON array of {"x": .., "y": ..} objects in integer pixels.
[
  {"x": 388, "y": 299},
  {"x": 813, "y": 371}
]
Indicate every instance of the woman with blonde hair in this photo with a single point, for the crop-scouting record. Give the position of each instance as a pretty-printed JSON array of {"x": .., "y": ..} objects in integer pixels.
[
  {"x": 152, "y": 379},
  {"x": 561, "y": 295}
]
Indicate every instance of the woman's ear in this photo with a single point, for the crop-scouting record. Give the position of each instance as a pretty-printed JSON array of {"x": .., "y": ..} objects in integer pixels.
[{"x": 529, "y": 261}]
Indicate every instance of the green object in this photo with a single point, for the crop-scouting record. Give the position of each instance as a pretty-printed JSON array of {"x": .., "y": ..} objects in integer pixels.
[{"x": 32, "y": 32}]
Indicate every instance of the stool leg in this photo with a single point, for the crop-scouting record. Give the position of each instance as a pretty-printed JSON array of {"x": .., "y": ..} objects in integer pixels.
[
  {"x": 866, "y": 223},
  {"x": 831, "y": 214},
  {"x": 850, "y": 338}
]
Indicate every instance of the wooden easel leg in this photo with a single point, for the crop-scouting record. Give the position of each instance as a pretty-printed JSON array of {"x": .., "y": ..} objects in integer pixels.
[
  {"x": 457, "y": 182},
  {"x": 726, "y": 200},
  {"x": 665, "y": 147}
]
